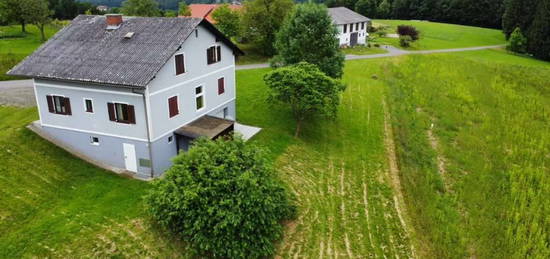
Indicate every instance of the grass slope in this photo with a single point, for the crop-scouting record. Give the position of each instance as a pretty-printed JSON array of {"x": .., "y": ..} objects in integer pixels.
[
  {"x": 473, "y": 138},
  {"x": 435, "y": 35},
  {"x": 15, "y": 45}
]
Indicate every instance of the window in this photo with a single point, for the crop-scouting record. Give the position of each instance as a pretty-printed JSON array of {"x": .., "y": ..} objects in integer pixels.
[
  {"x": 88, "y": 105},
  {"x": 170, "y": 139},
  {"x": 59, "y": 104},
  {"x": 362, "y": 25},
  {"x": 357, "y": 26},
  {"x": 122, "y": 113},
  {"x": 221, "y": 86},
  {"x": 345, "y": 28},
  {"x": 180, "y": 64},
  {"x": 199, "y": 97},
  {"x": 213, "y": 55},
  {"x": 173, "y": 106},
  {"x": 196, "y": 33},
  {"x": 225, "y": 112},
  {"x": 351, "y": 27},
  {"x": 94, "y": 141}
]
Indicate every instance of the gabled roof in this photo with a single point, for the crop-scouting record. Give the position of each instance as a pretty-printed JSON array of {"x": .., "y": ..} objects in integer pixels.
[
  {"x": 85, "y": 51},
  {"x": 343, "y": 15},
  {"x": 205, "y": 10}
]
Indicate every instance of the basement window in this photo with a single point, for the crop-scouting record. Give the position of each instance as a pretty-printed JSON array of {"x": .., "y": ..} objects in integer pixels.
[{"x": 94, "y": 141}]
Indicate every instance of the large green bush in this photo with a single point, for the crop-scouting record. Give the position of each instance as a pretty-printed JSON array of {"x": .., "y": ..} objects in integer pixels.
[
  {"x": 517, "y": 42},
  {"x": 222, "y": 197}
]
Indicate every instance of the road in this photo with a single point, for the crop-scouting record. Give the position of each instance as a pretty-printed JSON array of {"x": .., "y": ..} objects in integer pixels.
[{"x": 20, "y": 92}]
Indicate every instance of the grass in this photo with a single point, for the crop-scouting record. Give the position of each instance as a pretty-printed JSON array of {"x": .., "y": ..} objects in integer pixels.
[
  {"x": 252, "y": 55},
  {"x": 363, "y": 50},
  {"x": 435, "y": 35},
  {"x": 16, "y": 45},
  {"x": 473, "y": 138}
]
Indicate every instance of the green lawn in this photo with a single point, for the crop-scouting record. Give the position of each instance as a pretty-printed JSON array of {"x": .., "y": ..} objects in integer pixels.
[
  {"x": 252, "y": 55},
  {"x": 363, "y": 50},
  {"x": 435, "y": 35},
  {"x": 15, "y": 45}
]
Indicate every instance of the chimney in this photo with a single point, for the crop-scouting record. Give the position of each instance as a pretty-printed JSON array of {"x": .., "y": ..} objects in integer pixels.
[{"x": 113, "y": 21}]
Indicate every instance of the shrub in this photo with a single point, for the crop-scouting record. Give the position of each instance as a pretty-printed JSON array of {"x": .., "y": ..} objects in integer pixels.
[
  {"x": 223, "y": 199},
  {"x": 381, "y": 34},
  {"x": 405, "y": 41},
  {"x": 517, "y": 42},
  {"x": 407, "y": 30}
]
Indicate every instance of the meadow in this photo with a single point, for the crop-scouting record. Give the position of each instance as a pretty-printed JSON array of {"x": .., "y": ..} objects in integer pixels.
[{"x": 435, "y": 35}]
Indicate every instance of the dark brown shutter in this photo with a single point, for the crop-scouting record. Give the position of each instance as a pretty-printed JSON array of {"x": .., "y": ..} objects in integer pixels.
[
  {"x": 111, "y": 109},
  {"x": 49, "y": 98},
  {"x": 67, "y": 104},
  {"x": 219, "y": 53},
  {"x": 209, "y": 56},
  {"x": 173, "y": 106},
  {"x": 131, "y": 115},
  {"x": 180, "y": 66},
  {"x": 221, "y": 86}
]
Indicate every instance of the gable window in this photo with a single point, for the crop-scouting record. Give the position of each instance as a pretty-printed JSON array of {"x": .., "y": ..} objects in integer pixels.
[
  {"x": 213, "y": 55},
  {"x": 199, "y": 97},
  {"x": 180, "y": 64},
  {"x": 362, "y": 25},
  {"x": 59, "y": 104},
  {"x": 221, "y": 86},
  {"x": 88, "y": 105},
  {"x": 345, "y": 28},
  {"x": 173, "y": 106},
  {"x": 122, "y": 113}
]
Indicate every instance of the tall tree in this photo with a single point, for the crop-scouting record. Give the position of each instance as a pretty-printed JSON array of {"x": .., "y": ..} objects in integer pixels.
[
  {"x": 262, "y": 19},
  {"x": 518, "y": 13},
  {"x": 368, "y": 8},
  {"x": 227, "y": 20},
  {"x": 38, "y": 14},
  {"x": 309, "y": 35},
  {"x": 184, "y": 9},
  {"x": 306, "y": 89},
  {"x": 147, "y": 8},
  {"x": 15, "y": 11},
  {"x": 539, "y": 33}
]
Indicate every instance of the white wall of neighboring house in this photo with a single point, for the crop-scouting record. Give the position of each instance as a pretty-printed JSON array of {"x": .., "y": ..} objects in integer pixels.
[{"x": 345, "y": 37}]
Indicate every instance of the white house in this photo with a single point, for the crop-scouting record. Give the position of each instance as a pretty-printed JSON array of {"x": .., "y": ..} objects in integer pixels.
[
  {"x": 352, "y": 27},
  {"x": 132, "y": 92}
]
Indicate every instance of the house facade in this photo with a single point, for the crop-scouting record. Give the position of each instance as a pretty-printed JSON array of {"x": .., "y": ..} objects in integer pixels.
[
  {"x": 132, "y": 93},
  {"x": 352, "y": 27}
]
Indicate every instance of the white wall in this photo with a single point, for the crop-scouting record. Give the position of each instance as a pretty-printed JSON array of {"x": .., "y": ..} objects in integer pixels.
[
  {"x": 345, "y": 37},
  {"x": 198, "y": 72}
]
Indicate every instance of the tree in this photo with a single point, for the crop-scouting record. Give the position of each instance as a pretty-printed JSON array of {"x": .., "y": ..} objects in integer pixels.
[
  {"x": 408, "y": 30},
  {"x": 384, "y": 9},
  {"x": 223, "y": 198},
  {"x": 38, "y": 14},
  {"x": 368, "y": 8},
  {"x": 517, "y": 42},
  {"x": 261, "y": 21},
  {"x": 539, "y": 32},
  {"x": 309, "y": 35},
  {"x": 184, "y": 9},
  {"x": 227, "y": 20},
  {"x": 147, "y": 8},
  {"x": 15, "y": 11},
  {"x": 306, "y": 89}
]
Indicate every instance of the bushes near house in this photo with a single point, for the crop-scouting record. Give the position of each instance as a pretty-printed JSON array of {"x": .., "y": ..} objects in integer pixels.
[
  {"x": 517, "y": 42},
  {"x": 223, "y": 199}
]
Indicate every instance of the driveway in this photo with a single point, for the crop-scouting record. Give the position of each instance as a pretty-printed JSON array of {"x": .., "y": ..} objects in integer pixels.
[{"x": 21, "y": 93}]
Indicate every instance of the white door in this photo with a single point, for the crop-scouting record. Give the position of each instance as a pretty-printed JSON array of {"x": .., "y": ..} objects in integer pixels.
[{"x": 130, "y": 157}]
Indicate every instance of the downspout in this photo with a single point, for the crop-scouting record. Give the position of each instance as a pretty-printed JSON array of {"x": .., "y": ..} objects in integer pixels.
[{"x": 145, "y": 104}]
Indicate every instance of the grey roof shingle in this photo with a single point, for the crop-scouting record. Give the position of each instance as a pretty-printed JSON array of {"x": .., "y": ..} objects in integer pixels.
[
  {"x": 86, "y": 51},
  {"x": 343, "y": 15}
]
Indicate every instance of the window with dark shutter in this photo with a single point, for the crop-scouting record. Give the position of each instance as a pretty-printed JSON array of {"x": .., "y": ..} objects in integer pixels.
[
  {"x": 122, "y": 113},
  {"x": 67, "y": 104},
  {"x": 173, "y": 106},
  {"x": 59, "y": 104},
  {"x": 221, "y": 86},
  {"x": 51, "y": 109},
  {"x": 219, "y": 54},
  {"x": 180, "y": 64},
  {"x": 131, "y": 114},
  {"x": 362, "y": 25},
  {"x": 111, "y": 109},
  {"x": 209, "y": 56},
  {"x": 345, "y": 28},
  {"x": 213, "y": 54},
  {"x": 357, "y": 26}
]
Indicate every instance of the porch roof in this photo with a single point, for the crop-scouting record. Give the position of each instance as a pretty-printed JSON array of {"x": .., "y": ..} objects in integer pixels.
[{"x": 205, "y": 126}]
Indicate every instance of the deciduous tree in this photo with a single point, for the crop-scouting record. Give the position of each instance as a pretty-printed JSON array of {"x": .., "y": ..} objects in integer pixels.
[
  {"x": 227, "y": 20},
  {"x": 184, "y": 9},
  {"x": 146, "y": 8},
  {"x": 307, "y": 90},
  {"x": 223, "y": 198},
  {"x": 38, "y": 14},
  {"x": 309, "y": 35}
]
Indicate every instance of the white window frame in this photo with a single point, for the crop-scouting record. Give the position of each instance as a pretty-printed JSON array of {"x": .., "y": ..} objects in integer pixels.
[
  {"x": 178, "y": 102},
  {"x": 184, "y": 64},
  {"x": 92, "y": 142},
  {"x": 91, "y": 100},
  {"x": 199, "y": 95},
  {"x": 54, "y": 106}
]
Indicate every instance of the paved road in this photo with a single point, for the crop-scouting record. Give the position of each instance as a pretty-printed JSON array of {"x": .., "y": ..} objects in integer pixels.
[{"x": 20, "y": 92}]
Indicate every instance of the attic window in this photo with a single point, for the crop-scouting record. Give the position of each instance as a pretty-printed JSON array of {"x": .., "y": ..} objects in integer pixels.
[{"x": 129, "y": 35}]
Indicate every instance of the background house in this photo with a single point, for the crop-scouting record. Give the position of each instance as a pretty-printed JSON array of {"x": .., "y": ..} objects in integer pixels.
[
  {"x": 205, "y": 10},
  {"x": 352, "y": 27},
  {"x": 132, "y": 92}
]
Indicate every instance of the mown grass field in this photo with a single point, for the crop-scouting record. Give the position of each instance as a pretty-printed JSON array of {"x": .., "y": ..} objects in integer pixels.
[
  {"x": 363, "y": 50},
  {"x": 16, "y": 45},
  {"x": 473, "y": 140},
  {"x": 435, "y": 35}
]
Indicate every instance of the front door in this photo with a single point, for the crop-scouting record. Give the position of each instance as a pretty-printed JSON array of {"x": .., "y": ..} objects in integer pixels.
[
  {"x": 353, "y": 39},
  {"x": 130, "y": 157}
]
